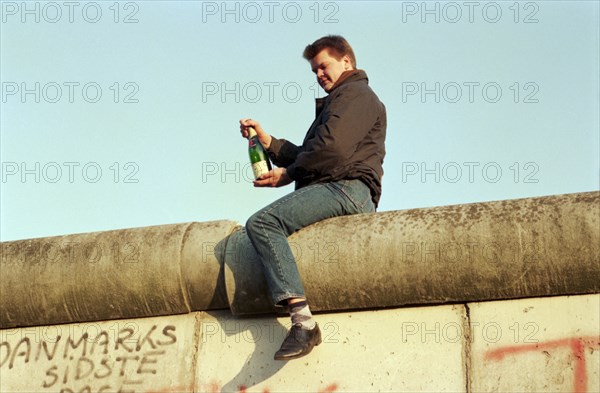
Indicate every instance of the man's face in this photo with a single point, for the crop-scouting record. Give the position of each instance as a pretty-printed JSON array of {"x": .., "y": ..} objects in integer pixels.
[{"x": 328, "y": 69}]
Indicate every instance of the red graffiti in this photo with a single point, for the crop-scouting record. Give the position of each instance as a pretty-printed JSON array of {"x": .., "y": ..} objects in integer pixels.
[
  {"x": 244, "y": 389},
  {"x": 331, "y": 388},
  {"x": 576, "y": 344},
  {"x": 174, "y": 389}
]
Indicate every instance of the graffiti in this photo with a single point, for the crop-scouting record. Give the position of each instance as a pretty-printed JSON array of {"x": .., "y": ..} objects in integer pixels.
[
  {"x": 130, "y": 357},
  {"x": 76, "y": 362},
  {"x": 174, "y": 389},
  {"x": 577, "y": 345},
  {"x": 331, "y": 388}
]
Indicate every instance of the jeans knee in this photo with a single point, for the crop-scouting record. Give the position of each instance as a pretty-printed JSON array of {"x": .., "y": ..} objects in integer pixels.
[
  {"x": 251, "y": 225},
  {"x": 254, "y": 223},
  {"x": 262, "y": 221}
]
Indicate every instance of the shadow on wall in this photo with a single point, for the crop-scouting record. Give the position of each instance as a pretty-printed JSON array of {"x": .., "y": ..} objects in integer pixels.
[
  {"x": 259, "y": 366},
  {"x": 240, "y": 267},
  {"x": 244, "y": 281}
]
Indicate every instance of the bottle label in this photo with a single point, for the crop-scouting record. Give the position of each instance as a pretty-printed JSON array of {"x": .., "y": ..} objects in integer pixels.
[{"x": 260, "y": 168}]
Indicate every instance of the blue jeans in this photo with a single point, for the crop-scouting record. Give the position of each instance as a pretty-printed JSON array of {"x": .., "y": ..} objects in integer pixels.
[{"x": 269, "y": 228}]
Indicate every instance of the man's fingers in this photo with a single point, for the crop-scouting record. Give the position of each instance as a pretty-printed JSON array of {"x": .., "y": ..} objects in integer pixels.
[
  {"x": 264, "y": 183},
  {"x": 266, "y": 180},
  {"x": 245, "y": 124},
  {"x": 249, "y": 122},
  {"x": 261, "y": 181}
]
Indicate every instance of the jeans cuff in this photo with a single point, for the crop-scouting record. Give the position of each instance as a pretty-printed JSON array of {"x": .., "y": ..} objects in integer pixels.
[{"x": 277, "y": 300}]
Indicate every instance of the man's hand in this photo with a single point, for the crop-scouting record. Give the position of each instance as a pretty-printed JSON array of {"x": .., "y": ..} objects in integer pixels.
[
  {"x": 263, "y": 137},
  {"x": 277, "y": 177}
]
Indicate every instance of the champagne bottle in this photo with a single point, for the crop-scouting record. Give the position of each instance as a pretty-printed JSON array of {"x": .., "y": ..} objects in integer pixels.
[{"x": 258, "y": 155}]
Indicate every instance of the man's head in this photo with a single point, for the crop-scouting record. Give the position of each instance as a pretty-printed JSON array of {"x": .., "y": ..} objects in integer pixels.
[{"x": 329, "y": 57}]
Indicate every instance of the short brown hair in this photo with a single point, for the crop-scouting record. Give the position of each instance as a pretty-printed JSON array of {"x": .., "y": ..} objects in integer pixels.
[{"x": 337, "y": 45}]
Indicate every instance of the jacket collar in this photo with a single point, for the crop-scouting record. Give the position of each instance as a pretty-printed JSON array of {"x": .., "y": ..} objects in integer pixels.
[
  {"x": 349, "y": 76},
  {"x": 346, "y": 77}
]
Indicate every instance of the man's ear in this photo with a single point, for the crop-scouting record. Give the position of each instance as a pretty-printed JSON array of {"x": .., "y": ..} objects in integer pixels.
[{"x": 347, "y": 63}]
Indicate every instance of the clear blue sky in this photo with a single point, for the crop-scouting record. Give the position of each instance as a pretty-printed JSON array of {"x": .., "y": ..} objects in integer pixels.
[{"x": 137, "y": 123}]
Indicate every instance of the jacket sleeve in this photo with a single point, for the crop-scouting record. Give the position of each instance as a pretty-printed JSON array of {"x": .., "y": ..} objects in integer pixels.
[
  {"x": 282, "y": 152},
  {"x": 346, "y": 122}
]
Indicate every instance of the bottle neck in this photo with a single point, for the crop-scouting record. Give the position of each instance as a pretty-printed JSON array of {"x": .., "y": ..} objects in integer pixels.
[{"x": 251, "y": 132}]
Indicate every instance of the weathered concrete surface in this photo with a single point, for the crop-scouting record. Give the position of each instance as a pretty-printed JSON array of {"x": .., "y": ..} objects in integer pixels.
[
  {"x": 137, "y": 355},
  {"x": 369, "y": 351},
  {"x": 536, "y": 345},
  {"x": 245, "y": 284},
  {"x": 202, "y": 264},
  {"x": 482, "y": 251},
  {"x": 213, "y": 352},
  {"x": 125, "y": 273}
]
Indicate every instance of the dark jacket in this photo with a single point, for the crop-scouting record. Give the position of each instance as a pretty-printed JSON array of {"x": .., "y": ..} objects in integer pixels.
[{"x": 345, "y": 141}]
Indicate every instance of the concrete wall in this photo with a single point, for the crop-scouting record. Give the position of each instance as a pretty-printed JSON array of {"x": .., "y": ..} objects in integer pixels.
[
  {"x": 474, "y": 252},
  {"x": 453, "y": 257},
  {"x": 126, "y": 273},
  {"x": 549, "y": 344}
]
